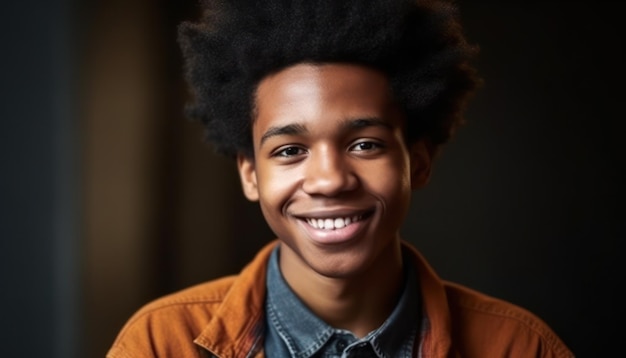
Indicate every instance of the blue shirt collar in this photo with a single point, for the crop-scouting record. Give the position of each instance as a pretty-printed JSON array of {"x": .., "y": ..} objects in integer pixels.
[{"x": 303, "y": 333}]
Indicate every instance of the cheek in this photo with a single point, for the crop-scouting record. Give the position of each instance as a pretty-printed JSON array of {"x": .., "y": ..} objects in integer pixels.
[
  {"x": 392, "y": 175},
  {"x": 276, "y": 187},
  {"x": 275, "y": 192},
  {"x": 392, "y": 183}
]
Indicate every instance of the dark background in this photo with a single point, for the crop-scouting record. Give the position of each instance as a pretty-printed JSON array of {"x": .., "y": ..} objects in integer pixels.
[{"x": 108, "y": 197}]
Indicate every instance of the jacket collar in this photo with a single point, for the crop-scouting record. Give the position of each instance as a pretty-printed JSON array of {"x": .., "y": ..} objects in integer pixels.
[
  {"x": 436, "y": 326},
  {"x": 236, "y": 329}
]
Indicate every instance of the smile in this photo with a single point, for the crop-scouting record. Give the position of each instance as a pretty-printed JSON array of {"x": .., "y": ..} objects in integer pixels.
[
  {"x": 336, "y": 222},
  {"x": 335, "y": 228},
  {"x": 333, "y": 223}
]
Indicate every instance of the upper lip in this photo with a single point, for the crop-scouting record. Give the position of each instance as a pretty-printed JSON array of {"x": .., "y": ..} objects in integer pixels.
[{"x": 332, "y": 213}]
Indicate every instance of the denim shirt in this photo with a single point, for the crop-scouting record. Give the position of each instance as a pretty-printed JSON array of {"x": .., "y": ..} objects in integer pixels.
[{"x": 292, "y": 330}]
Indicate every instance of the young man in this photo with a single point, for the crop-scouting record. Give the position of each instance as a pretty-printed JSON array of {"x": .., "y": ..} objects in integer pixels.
[{"x": 334, "y": 111}]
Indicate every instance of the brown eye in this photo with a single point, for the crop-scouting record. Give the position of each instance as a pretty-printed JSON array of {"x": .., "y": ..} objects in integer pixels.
[
  {"x": 365, "y": 146},
  {"x": 289, "y": 152}
]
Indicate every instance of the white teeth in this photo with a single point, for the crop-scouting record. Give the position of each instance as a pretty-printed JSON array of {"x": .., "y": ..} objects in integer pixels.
[{"x": 331, "y": 224}]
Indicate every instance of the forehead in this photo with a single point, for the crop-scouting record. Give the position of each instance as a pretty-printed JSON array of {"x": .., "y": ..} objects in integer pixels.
[{"x": 305, "y": 92}]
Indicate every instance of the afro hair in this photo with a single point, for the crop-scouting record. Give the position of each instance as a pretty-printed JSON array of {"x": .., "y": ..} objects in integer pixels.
[{"x": 418, "y": 44}]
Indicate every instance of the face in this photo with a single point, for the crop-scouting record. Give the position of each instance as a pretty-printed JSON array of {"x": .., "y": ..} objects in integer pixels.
[{"x": 331, "y": 170}]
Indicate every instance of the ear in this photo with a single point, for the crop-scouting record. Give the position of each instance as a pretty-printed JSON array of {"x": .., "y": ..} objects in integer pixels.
[
  {"x": 421, "y": 158},
  {"x": 247, "y": 174}
]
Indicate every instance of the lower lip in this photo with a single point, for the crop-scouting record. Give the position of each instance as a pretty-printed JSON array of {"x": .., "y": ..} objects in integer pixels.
[{"x": 335, "y": 236}]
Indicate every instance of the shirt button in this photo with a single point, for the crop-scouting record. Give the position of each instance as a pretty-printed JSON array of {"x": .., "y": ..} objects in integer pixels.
[{"x": 341, "y": 344}]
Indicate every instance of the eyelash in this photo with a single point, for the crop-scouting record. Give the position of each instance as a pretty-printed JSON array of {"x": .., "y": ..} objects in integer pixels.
[
  {"x": 282, "y": 152},
  {"x": 374, "y": 146}
]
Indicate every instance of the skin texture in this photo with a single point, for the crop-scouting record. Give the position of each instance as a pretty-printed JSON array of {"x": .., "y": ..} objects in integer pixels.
[{"x": 328, "y": 144}]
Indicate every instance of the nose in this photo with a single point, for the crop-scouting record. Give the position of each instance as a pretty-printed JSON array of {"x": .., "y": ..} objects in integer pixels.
[{"x": 328, "y": 173}]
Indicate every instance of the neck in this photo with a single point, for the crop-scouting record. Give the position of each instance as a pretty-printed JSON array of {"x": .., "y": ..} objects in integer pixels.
[{"x": 359, "y": 302}]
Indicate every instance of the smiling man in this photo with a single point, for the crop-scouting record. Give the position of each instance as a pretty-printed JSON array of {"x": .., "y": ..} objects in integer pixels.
[{"x": 334, "y": 111}]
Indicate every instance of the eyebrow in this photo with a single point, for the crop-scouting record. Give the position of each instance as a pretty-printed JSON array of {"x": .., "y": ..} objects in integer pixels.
[
  {"x": 297, "y": 128},
  {"x": 365, "y": 122},
  {"x": 289, "y": 129}
]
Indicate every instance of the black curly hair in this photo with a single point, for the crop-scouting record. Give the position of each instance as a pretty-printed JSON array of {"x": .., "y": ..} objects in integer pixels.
[{"x": 418, "y": 44}]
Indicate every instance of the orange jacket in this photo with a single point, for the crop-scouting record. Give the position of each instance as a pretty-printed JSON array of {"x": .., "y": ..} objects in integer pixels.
[{"x": 224, "y": 318}]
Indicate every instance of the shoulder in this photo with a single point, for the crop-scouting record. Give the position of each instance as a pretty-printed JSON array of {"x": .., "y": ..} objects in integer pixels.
[
  {"x": 177, "y": 317},
  {"x": 480, "y": 322},
  {"x": 190, "y": 322},
  {"x": 200, "y": 295}
]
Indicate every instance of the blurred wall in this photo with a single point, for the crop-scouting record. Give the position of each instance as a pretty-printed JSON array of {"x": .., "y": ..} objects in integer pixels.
[
  {"x": 109, "y": 197},
  {"x": 159, "y": 207},
  {"x": 526, "y": 203},
  {"x": 39, "y": 241}
]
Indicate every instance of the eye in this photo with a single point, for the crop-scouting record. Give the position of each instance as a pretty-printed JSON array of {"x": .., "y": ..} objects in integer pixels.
[
  {"x": 289, "y": 152},
  {"x": 365, "y": 146}
]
